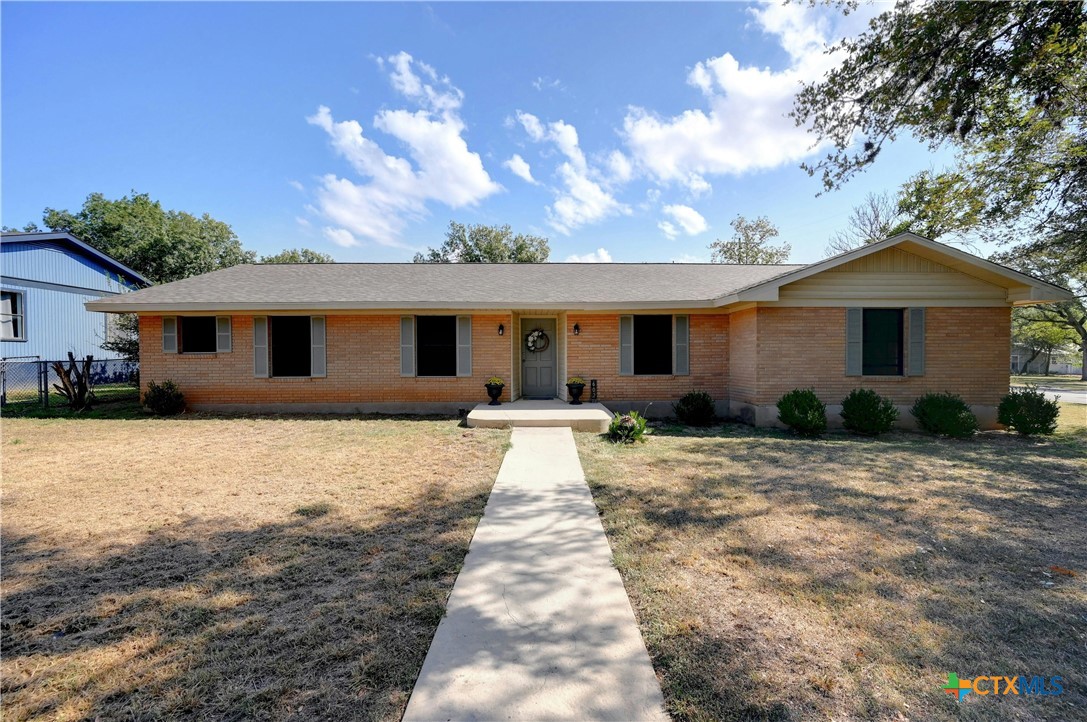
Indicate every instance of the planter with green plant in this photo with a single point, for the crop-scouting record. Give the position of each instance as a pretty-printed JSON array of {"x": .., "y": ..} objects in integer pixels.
[
  {"x": 494, "y": 387},
  {"x": 575, "y": 385}
]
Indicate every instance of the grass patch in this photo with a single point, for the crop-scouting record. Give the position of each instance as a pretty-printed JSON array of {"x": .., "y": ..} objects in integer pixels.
[
  {"x": 230, "y": 568},
  {"x": 844, "y": 577},
  {"x": 1063, "y": 381}
]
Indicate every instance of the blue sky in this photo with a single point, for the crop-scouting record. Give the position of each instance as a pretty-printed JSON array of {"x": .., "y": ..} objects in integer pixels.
[{"x": 630, "y": 132}]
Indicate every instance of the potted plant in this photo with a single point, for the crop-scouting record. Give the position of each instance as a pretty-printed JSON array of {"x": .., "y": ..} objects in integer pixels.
[
  {"x": 575, "y": 385},
  {"x": 494, "y": 389}
]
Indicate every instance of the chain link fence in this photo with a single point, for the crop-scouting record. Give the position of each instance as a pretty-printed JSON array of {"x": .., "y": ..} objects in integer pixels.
[{"x": 28, "y": 381}]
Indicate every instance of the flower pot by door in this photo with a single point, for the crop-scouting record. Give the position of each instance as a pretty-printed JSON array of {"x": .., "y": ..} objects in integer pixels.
[
  {"x": 575, "y": 393},
  {"x": 495, "y": 392}
]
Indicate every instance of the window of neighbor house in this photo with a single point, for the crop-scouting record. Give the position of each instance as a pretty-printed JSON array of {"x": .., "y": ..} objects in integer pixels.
[
  {"x": 882, "y": 342},
  {"x": 436, "y": 345},
  {"x": 12, "y": 316},
  {"x": 197, "y": 334},
  {"x": 652, "y": 345},
  {"x": 289, "y": 338}
]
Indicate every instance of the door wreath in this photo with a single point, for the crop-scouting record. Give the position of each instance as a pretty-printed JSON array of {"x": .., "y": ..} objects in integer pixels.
[{"x": 537, "y": 341}]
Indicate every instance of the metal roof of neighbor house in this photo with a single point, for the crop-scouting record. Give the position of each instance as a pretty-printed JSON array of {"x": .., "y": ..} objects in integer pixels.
[
  {"x": 87, "y": 251},
  {"x": 447, "y": 285},
  {"x": 524, "y": 286}
]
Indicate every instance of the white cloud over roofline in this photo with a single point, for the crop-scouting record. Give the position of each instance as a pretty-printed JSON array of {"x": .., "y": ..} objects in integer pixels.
[{"x": 395, "y": 190}]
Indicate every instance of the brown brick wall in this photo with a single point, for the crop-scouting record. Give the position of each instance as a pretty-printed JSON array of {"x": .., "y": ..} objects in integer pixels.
[
  {"x": 743, "y": 355},
  {"x": 362, "y": 358},
  {"x": 966, "y": 352},
  {"x": 595, "y": 355}
]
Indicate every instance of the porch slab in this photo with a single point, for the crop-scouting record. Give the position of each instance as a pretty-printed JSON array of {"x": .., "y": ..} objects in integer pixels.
[{"x": 549, "y": 412}]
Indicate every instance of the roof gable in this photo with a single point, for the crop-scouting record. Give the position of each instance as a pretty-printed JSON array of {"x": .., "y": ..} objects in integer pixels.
[
  {"x": 60, "y": 238},
  {"x": 928, "y": 256}
]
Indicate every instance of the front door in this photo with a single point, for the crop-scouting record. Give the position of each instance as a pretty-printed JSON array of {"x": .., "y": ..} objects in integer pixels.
[{"x": 538, "y": 356}]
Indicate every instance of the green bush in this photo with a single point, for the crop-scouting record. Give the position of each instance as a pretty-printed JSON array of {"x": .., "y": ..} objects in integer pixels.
[
  {"x": 803, "y": 412},
  {"x": 945, "y": 414},
  {"x": 164, "y": 400},
  {"x": 627, "y": 428},
  {"x": 695, "y": 408},
  {"x": 866, "y": 412},
  {"x": 1028, "y": 412}
]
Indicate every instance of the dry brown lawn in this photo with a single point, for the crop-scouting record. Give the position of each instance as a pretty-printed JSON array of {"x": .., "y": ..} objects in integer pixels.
[
  {"x": 230, "y": 568},
  {"x": 776, "y": 578}
]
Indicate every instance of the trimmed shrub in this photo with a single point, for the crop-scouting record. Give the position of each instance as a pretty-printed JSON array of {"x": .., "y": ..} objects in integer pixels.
[
  {"x": 803, "y": 412},
  {"x": 695, "y": 408},
  {"x": 164, "y": 400},
  {"x": 627, "y": 428},
  {"x": 945, "y": 414},
  {"x": 866, "y": 412},
  {"x": 1028, "y": 412}
]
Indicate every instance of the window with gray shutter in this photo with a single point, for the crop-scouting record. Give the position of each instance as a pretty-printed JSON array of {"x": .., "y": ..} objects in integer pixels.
[
  {"x": 682, "y": 364},
  {"x": 260, "y": 347},
  {"x": 464, "y": 345},
  {"x": 854, "y": 346},
  {"x": 317, "y": 346},
  {"x": 626, "y": 345},
  {"x": 407, "y": 345},
  {"x": 222, "y": 334},
  {"x": 169, "y": 334},
  {"x": 917, "y": 342}
]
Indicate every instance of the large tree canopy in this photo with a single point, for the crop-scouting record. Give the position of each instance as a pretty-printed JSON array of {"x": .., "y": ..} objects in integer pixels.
[
  {"x": 750, "y": 243},
  {"x": 162, "y": 245},
  {"x": 1004, "y": 82},
  {"x": 486, "y": 244}
]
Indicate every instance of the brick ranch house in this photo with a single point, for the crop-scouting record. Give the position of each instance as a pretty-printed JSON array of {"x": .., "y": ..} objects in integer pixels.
[{"x": 903, "y": 316}]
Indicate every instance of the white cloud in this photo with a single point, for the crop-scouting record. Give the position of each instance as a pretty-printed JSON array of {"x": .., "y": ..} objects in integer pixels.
[
  {"x": 340, "y": 237},
  {"x": 296, "y": 185},
  {"x": 585, "y": 196},
  {"x": 544, "y": 83},
  {"x": 744, "y": 126},
  {"x": 520, "y": 168},
  {"x": 302, "y": 221},
  {"x": 619, "y": 167},
  {"x": 688, "y": 218},
  {"x": 668, "y": 230},
  {"x": 600, "y": 255},
  {"x": 441, "y": 168}
]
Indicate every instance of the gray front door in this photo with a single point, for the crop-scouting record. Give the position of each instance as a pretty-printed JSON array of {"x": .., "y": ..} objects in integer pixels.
[{"x": 538, "y": 367}]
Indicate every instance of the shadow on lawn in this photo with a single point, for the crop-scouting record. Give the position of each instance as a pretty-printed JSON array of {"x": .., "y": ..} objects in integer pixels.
[
  {"x": 313, "y": 617},
  {"x": 959, "y": 538}
]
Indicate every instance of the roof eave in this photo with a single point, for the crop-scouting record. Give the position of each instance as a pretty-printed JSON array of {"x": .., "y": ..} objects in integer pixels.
[{"x": 121, "y": 306}]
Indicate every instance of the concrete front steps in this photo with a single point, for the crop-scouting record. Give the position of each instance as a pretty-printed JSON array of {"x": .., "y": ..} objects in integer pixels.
[{"x": 549, "y": 412}]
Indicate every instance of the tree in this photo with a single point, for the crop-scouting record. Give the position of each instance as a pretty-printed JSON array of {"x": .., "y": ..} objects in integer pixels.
[
  {"x": 1004, "y": 83},
  {"x": 1038, "y": 335},
  {"x": 486, "y": 244},
  {"x": 160, "y": 244},
  {"x": 1068, "y": 315},
  {"x": 750, "y": 243},
  {"x": 878, "y": 217},
  {"x": 298, "y": 255}
]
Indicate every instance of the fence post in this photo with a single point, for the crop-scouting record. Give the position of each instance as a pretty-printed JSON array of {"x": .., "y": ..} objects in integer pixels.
[{"x": 44, "y": 375}]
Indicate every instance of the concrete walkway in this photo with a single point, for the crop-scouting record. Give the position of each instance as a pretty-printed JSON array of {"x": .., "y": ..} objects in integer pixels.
[{"x": 538, "y": 626}]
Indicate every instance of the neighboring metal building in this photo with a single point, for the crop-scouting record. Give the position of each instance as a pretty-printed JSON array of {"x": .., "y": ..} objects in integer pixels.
[{"x": 45, "y": 278}]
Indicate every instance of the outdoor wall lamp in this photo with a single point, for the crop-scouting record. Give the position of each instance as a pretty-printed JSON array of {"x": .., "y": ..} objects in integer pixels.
[
  {"x": 501, "y": 330},
  {"x": 577, "y": 330}
]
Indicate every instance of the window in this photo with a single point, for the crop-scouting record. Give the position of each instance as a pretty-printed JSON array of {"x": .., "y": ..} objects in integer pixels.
[
  {"x": 652, "y": 345},
  {"x": 12, "y": 317},
  {"x": 290, "y": 343},
  {"x": 197, "y": 334},
  {"x": 436, "y": 345},
  {"x": 881, "y": 340}
]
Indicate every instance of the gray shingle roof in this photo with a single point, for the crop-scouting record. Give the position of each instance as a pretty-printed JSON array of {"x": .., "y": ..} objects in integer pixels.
[{"x": 347, "y": 286}]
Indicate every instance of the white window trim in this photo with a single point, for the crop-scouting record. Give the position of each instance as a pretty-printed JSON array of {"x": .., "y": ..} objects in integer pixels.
[{"x": 20, "y": 304}]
